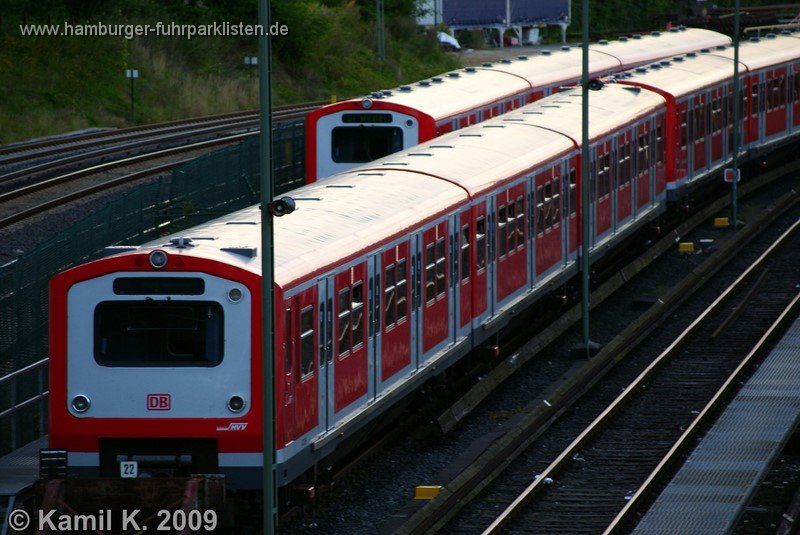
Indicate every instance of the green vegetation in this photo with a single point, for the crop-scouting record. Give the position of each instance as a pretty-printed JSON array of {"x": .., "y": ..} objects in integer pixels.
[{"x": 57, "y": 84}]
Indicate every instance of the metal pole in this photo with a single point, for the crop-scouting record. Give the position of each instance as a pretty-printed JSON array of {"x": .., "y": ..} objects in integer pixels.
[
  {"x": 132, "y": 101},
  {"x": 267, "y": 274},
  {"x": 380, "y": 29},
  {"x": 585, "y": 183},
  {"x": 736, "y": 118}
]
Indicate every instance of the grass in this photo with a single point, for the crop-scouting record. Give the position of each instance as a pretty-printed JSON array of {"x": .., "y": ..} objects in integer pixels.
[{"x": 56, "y": 84}]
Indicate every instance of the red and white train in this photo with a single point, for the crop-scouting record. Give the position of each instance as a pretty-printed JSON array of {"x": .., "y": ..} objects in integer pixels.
[
  {"x": 385, "y": 274},
  {"x": 352, "y": 132}
]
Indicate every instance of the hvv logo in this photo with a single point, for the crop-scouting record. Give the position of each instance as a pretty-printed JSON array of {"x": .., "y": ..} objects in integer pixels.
[
  {"x": 159, "y": 402},
  {"x": 233, "y": 426}
]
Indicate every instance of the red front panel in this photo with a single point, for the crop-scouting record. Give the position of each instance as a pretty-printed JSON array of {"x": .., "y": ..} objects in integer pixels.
[
  {"x": 547, "y": 221},
  {"x": 349, "y": 337},
  {"x": 81, "y": 434},
  {"x": 604, "y": 179},
  {"x": 305, "y": 361},
  {"x": 435, "y": 314},
  {"x": 465, "y": 266},
  {"x": 396, "y": 341},
  {"x": 511, "y": 241},
  {"x": 699, "y": 131},
  {"x": 479, "y": 228},
  {"x": 775, "y": 102}
]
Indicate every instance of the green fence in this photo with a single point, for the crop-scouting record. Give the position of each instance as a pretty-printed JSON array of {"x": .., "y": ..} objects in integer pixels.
[{"x": 205, "y": 188}]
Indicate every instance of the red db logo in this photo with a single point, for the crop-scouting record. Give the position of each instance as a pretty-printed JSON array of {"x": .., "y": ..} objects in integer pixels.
[{"x": 159, "y": 402}]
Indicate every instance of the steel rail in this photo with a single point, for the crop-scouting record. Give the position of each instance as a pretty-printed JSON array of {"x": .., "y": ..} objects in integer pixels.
[
  {"x": 624, "y": 517},
  {"x": 74, "y": 196},
  {"x": 121, "y": 149},
  {"x": 5, "y": 197},
  {"x": 596, "y": 426},
  {"x": 283, "y": 111},
  {"x": 495, "y": 459}
]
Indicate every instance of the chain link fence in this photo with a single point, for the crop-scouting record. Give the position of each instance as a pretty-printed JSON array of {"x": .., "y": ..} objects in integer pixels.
[{"x": 207, "y": 187}]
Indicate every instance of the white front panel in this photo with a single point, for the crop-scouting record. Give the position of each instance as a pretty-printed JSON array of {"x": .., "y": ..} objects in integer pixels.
[
  {"x": 194, "y": 391},
  {"x": 326, "y": 166}
]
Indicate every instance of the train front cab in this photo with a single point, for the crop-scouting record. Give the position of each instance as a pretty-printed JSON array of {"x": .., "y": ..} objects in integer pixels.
[{"x": 158, "y": 376}]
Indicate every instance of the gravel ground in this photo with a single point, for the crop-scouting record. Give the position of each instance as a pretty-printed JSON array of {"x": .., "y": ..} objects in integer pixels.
[{"x": 383, "y": 488}]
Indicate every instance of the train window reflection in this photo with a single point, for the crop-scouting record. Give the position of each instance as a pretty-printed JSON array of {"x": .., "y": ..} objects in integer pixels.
[
  {"x": 357, "y": 144},
  {"x": 158, "y": 333}
]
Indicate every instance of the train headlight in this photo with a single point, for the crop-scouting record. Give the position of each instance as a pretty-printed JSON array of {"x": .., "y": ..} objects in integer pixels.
[
  {"x": 235, "y": 295},
  {"x": 236, "y": 404},
  {"x": 366, "y": 103},
  {"x": 158, "y": 259},
  {"x": 80, "y": 403}
]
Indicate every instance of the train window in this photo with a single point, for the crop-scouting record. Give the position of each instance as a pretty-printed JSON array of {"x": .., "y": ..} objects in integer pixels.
[
  {"x": 539, "y": 210},
  {"x": 401, "y": 290},
  {"x": 548, "y": 202},
  {"x": 357, "y": 144},
  {"x": 357, "y": 314},
  {"x": 644, "y": 153},
  {"x": 501, "y": 230},
  {"x": 480, "y": 243},
  {"x": 441, "y": 280},
  {"x": 465, "y": 264},
  {"x": 754, "y": 99},
  {"x": 624, "y": 163},
  {"x": 684, "y": 129},
  {"x": 573, "y": 191},
  {"x": 430, "y": 273},
  {"x": 556, "y": 203},
  {"x": 287, "y": 343},
  {"x": 659, "y": 142},
  {"x": 344, "y": 321},
  {"x": 796, "y": 87},
  {"x": 510, "y": 227},
  {"x": 520, "y": 222},
  {"x": 389, "y": 297},
  {"x": 307, "y": 341},
  {"x": 158, "y": 333}
]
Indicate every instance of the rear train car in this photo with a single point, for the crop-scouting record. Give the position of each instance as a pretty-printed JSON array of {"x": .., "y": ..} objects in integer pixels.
[{"x": 356, "y": 131}]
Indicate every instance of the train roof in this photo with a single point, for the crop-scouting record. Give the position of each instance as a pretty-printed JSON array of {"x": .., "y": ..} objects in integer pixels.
[
  {"x": 689, "y": 73},
  {"x": 757, "y": 53},
  {"x": 683, "y": 75},
  {"x": 481, "y": 156},
  {"x": 673, "y": 42},
  {"x": 334, "y": 220},
  {"x": 458, "y": 91},
  {"x": 451, "y": 94}
]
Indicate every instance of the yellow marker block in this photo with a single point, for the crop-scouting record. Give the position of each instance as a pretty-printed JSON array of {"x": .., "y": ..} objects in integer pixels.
[
  {"x": 426, "y": 492},
  {"x": 686, "y": 247},
  {"x": 720, "y": 222},
  {"x": 333, "y": 99}
]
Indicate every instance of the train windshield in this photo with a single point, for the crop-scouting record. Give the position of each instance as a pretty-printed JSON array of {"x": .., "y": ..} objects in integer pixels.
[
  {"x": 158, "y": 333},
  {"x": 358, "y": 144}
]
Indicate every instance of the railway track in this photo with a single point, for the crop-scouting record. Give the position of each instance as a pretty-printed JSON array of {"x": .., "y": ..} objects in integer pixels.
[
  {"x": 58, "y": 145},
  {"x": 569, "y": 503},
  {"x": 605, "y": 468},
  {"x": 81, "y": 166}
]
